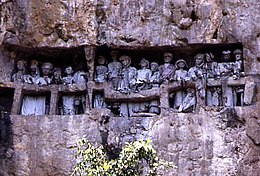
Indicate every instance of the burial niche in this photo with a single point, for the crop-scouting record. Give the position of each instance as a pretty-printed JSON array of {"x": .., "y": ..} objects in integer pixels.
[
  {"x": 183, "y": 100},
  {"x": 72, "y": 103},
  {"x": 6, "y": 101},
  {"x": 196, "y": 74},
  {"x": 50, "y": 66},
  {"x": 35, "y": 103},
  {"x": 143, "y": 108},
  {"x": 238, "y": 94},
  {"x": 98, "y": 100}
]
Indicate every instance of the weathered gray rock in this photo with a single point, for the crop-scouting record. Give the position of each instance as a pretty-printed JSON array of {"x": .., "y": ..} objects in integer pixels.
[
  {"x": 250, "y": 91},
  {"x": 253, "y": 130},
  {"x": 50, "y": 142}
]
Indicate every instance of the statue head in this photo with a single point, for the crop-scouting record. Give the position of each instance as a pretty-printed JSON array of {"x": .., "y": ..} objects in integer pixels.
[
  {"x": 57, "y": 73},
  {"x": 101, "y": 60},
  {"x": 144, "y": 63},
  {"x": 209, "y": 57},
  {"x": 238, "y": 54},
  {"x": 226, "y": 56},
  {"x": 34, "y": 67},
  {"x": 167, "y": 57},
  {"x": 114, "y": 54},
  {"x": 199, "y": 59},
  {"x": 21, "y": 65},
  {"x": 126, "y": 61},
  {"x": 181, "y": 64},
  {"x": 47, "y": 68},
  {"x": 154, "y": 66},
  {"x": 69, "y": 70}
]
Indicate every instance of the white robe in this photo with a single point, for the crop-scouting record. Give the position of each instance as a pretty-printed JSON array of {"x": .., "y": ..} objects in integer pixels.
[{"x": 33, "y": 105}]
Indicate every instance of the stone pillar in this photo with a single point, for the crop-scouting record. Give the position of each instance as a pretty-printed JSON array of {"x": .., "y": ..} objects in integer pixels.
[
  {"x": 90, "y": 58},
  {"x": 164, "y": 99},
  {"x": 250, "y": 91},
  {"x": 17, "y": 102},
  {"x": 54, "y": 102}
]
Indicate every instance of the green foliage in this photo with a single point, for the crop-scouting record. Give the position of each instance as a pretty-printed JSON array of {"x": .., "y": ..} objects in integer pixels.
[{"x": 134, "y": 158}]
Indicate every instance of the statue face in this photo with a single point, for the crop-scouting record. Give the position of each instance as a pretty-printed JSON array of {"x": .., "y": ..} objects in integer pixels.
[
  {"x": 226, "y": 57},
  {"x": 199, "y": 60},
  {"x": 46, "y": 71},
  {"x": 114, "y": 55},
  {"x": 167, "y": 57},
  {"x": 57, "y": 74},
  {"x": 20, "y": 65},
  {"x": 33, "y": 69},
  {"x": 101, "y": 60},
  {"x": 181, "y": 64},
  {"x": 125, "y": 62},
  {"x": 68, "y": 71},
  {"x": 143, "y": 64},
  {"x": 154, "y": 67},
  {"x": 208, "y": 58}
]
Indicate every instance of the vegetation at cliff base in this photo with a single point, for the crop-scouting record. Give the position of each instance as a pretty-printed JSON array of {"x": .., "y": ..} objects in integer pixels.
[{"x": 136, "y": 158}]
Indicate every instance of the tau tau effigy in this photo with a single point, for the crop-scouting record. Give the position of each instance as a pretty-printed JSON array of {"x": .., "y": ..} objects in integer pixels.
[{"x": 129, "y": 86}]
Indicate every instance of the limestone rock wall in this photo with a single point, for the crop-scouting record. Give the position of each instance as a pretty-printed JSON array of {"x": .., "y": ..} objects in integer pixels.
[
  {"x": 47, "y": 145},
  {"x": 206, "y": 143},
  {"x": 40, "y": 23}
]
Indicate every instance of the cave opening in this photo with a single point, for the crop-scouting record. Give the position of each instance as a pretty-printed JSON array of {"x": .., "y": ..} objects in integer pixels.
[
  {"x": 71, "y": 103},
  {"x": 155, "y": 54},
  {"x": 6, "y": 99},
  {"x": 59, "y": 57},
  {"x": 6, "y": 131}
]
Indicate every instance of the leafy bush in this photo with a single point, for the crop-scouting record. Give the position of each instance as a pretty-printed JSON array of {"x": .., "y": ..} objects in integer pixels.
[{"x": 136, "y": 158}]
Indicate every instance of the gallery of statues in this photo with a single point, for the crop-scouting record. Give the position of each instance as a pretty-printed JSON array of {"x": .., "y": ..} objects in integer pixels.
[{"x": 206, "y": 81}]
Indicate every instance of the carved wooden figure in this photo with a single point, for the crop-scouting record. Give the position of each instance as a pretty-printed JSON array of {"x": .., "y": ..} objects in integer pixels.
[
  {"x": 57, "y": 79},
  {"x": 101, "y": 70},
  {"x": 238, "y": 65},
  {"x": 189, "y": 102},
  {"x": 167, "y": 69},
  {"x": 213, "y": 96},
  {"x": 198, "y": 74},
  {"x": 114, "y": 70},
  {"x": 179, "y": 75},
  {"x": 143, "y": 75},
  {"x": 68, "y": 79},
  {"x": 46, "y": 74},
  {"x": 21, "y": 69},
  {"x": 211, "y": 67},
  {"x": 155, "y": 77},
  {"x": 34, "y": 73},
  {"x": 99, "y": 101},
  {"x": 226, "y": 69},
  {"x": 68, "y": 100},
  {"x": 128, "y": 73}
]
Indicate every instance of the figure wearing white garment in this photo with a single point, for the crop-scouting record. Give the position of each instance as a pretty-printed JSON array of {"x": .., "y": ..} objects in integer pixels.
[
  {"x": 179, "y": 75},
  {"x": 37, "y": 104},
  {"x": 143, "y": 75},
  {"x": 68, "y": 100}
]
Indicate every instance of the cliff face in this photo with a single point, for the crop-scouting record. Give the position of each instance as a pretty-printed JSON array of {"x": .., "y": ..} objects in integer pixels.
[
  {"x": 39, "y": 23},
  {"x": 48, "y": 23},
  {"x": 205, "y": 143},
  {"x": 210, "y": 141}
]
